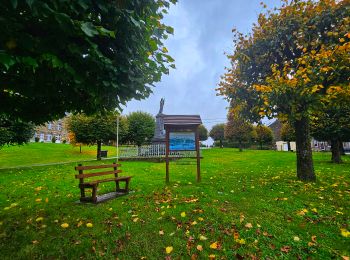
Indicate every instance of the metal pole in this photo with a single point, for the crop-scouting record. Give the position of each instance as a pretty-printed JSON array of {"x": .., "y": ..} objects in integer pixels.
[{"x": 117, "y": 138}]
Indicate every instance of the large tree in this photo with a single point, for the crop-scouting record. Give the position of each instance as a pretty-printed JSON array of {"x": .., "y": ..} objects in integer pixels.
[
  {"x": 332, "y": 124},
  {"x": 85, "y": 56},
  {"x": 218, "y": 133},
  {"x": 141, "y": 127},
  {"x": 95, "y": 129},
  {"x": 295, "y": 58}
]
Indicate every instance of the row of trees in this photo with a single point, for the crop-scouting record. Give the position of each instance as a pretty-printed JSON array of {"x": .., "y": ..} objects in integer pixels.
[
  {"x": 294, "y": 65},
  {"x": 86, "y": 56},
  {"x": 239, "y": 131},
  {"x": 136, "y": 128}
]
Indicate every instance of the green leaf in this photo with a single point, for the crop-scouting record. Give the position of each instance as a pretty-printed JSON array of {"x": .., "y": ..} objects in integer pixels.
[
  {"x": 7, "y": 60},
  {"x": 136, "y": 23},
  {"x": 14, "y": 3},
  {"x": 89, "y": 29},
  {"x": 30, "y": 62}
]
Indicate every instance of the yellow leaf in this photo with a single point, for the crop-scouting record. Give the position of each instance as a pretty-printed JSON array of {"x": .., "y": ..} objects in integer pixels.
[
  {"x": 65, "y": 225},
  {"x": 211, "y": 256},
  {"x": 214, "y": 245},
  {"x": 80, "y": 223},
  {"x": 135, "y": 219},
  {"x": 183, "y": 214},
  {"x": 240, "y": 241},
  {"x": 89, "y": 225},
  {"x": 344, "y": 232},
  {"x": 38, "y": 200},
  {"x": 161, "y": 232},
  {"x": 235, "y": 235},
  {"x": 304, "y": 50},
  {"x": 201, "y": 237},
  {"x": 199, "y": 248},
  {"x": 200, "y": 219},
  {"x": 296, "y": 239},
  {"x": 194, "y": 223},
  {"x": 314, "y": 210},
  {"x": 169, "y": 249},
  {"x": 342, "y": 40},
  {"x": 39, "y": 219},
  {"x": 47, "y": 200},
  {"x": 165, "y": 50}
]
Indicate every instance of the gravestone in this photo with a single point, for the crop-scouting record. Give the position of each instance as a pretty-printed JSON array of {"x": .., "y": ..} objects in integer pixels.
[{"x": 159, "y": 132}]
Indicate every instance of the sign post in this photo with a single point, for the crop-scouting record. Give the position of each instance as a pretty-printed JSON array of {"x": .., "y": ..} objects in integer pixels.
[{"x": 182, "y": 135}]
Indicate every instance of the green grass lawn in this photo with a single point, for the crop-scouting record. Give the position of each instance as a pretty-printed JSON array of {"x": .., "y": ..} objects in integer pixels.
[
  {"x": 44, "y": 153},
  {"x": 248, "y": 205}
]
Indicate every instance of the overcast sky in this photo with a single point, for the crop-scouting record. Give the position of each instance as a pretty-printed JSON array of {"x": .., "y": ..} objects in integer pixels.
[{"x": 202, "y": 35}]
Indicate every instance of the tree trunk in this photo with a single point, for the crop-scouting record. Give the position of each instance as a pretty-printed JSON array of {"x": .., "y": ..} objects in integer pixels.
[
  {"x": 288, "y": 142},
  {"x": 99, "y": 150},
  {"x": 221, "y": 146},
  {"x": 80, "y": 148},
  {"x": 305, "y": 167},
  {"x": 240, "y": 146},
  {"x": 336, "y": 157},
  {"x": 261, "y": 145}
]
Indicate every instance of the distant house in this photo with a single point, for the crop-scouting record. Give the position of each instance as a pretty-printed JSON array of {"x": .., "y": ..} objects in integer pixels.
[
  {"x": 56, "y": 129},
  {"x": 276, "y": 130}
]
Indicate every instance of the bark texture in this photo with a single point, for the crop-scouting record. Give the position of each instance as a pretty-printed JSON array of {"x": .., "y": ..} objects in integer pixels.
[
  {"x": 336, "y": 152},
  {"x": 305, "y": 166}
]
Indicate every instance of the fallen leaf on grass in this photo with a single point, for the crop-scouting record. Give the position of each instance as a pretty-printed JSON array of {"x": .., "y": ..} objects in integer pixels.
[
  {"x": 235, "y": 235},
  {"x": 240, "y": 241},
  {"x": 344, "y": 257},
  {"x": 35, "y": 242},
  {"x": 212, "y": 256},
  {"x": 296, "y": 239},
  {"x": 285, "y": 249},
  {"x": 214, "y": 245},
  {"x": 183, "y": 214},
  {"x": 344, "y": 232},
  {"x": 199, "y": 247},
  {"x": 248, "y": 225},
  {"x": 202, "y": 238},
  {"x": 169, "y": 249},
  {"x": 65, "y": 225},
  {"x": 89, "y": 225},
  {"x": 161, "y": 232},
  {"x": 39, "y": 219}
]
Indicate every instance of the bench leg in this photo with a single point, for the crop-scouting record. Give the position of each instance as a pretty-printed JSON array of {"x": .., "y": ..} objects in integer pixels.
[
  {"x": 94, "y": 194},
  {"x": 82, "y": 193},
  {"x": 117, "y": 188}
]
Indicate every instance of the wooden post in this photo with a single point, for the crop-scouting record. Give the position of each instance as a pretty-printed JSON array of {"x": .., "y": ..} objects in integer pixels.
[
  {"x": 198, "y": 156},
  {"x": 81, "y": 181},
  {"x": 167, "y": 156},
  {"x": 117, "y": 188}
]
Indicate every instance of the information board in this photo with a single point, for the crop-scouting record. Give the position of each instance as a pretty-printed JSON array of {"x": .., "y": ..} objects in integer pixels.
[{"x": 182, "y": 141}]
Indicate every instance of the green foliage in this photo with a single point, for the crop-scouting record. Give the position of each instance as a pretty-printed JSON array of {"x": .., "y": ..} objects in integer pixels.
[
  {"x": 53, "y": 139},
  {"x": 263, "y": 135},
  {"x": 203, "y": 133},
  {"x": 287, "y": 132},
  {"x": 14, "y": 132},
  {"x": 100, "y": 128},
  {"x": 218, "y": 133},
  {"x": 141, "y": 127},
  {"x": 85, "y": 56},
  {"x": 238, "y": 130}
]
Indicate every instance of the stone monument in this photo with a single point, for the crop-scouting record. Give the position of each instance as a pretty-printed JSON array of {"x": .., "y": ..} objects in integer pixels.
[{"x": 159, "y": 132}]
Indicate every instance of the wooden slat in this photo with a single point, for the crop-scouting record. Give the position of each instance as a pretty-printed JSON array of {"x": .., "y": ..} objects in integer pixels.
[
  {"x": 77, "y": 168},
  {"x": 107, "y": 180},
  {"x": 87, "y": 175}
]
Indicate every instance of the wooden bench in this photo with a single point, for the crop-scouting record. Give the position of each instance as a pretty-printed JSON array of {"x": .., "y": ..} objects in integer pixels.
[{"x": 93, "y": 184}]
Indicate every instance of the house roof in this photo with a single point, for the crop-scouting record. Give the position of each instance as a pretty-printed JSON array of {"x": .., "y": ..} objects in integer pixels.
[{"x": 178, "y": 120}]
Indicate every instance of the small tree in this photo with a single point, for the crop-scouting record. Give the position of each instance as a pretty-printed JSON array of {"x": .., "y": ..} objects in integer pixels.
[
  {"x": 53, "y": 139},
  {"x": 93, "y": 129},
  {"x": 238, "y": 130},
  {"x": 218, "y": 133},
  {"x": 263, "y": 135},
  {"x": 203, "y": 133},
  {"x": 141, "y": 127},
  {"x": 287, "y": 133}
]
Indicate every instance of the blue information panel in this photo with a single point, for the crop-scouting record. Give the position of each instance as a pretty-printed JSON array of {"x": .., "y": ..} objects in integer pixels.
[{"x": 182, "y": 141}]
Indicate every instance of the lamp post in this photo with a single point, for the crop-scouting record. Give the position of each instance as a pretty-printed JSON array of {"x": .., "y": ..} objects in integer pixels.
[{"x": 117, "y": 138}]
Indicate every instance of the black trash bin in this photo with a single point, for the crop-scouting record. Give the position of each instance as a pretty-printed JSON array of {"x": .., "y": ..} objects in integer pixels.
[{"x": 103, "y": 153}]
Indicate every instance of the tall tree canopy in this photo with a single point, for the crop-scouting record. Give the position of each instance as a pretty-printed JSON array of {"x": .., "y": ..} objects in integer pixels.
[
  {"x": 66, "y": 56},
  {"x": 14, "y": 132},
  {"x": 141, "y": 127},
  {"x": 295, "y": 60},
  {"x": 263, "y": 135}
]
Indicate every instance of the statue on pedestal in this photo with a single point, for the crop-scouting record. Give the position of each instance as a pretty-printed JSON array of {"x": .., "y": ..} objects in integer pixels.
[{"x": 159, "y": 132}]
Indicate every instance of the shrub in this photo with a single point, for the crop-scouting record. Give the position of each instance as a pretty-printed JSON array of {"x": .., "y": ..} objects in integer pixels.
[
  {"x": 53, "y": 140},
  {"x": 37, "y": 139}
]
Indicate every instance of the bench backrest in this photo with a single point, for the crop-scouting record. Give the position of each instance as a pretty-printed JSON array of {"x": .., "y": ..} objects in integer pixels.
[{"x": 81, "y": 176}]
